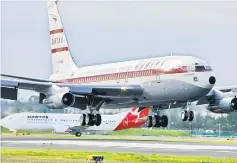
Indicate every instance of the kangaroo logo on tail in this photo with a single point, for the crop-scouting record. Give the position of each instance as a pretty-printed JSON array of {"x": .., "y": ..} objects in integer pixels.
[{"x": 136, "y": 117}]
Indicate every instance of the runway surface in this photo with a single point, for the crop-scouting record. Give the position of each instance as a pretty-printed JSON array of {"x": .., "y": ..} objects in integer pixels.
[{"x": 146, "y": 147}]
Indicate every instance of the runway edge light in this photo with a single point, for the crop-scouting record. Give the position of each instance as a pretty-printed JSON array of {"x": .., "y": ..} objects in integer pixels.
[{"x": 94, "y": 159}]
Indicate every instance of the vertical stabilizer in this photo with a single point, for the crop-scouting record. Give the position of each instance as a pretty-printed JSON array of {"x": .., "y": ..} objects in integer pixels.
[{"x": 62, "y": 61}]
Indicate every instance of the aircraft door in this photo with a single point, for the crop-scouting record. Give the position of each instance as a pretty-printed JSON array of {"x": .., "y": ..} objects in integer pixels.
[
  {"x": 117, "y": 78},
  {"x": 158, "y": 77},
  {"x": 126, "y": 78}
]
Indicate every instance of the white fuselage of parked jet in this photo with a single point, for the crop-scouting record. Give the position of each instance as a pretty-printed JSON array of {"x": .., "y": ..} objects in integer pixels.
[
  {"x": 56, "y": 121},
  {"x": 62, "y": 123}
]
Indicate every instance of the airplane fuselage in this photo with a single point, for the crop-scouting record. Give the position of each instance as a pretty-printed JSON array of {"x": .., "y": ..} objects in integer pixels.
[
  {"x": 62, "y": 122},
  {"x": 170, "y": 79}
]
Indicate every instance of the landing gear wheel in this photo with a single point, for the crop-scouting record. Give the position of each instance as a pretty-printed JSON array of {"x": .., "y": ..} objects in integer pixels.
[
  {"x": 190, "y": 116},
  {"x": 154, "y": 121},
  {"x": 82, "y": 120},
  {"x": 77, "y": 134},
  {"x": 164, "y": 120},
  {"x": 157, "y": 121},
  {"x": 97, "y": 119},
  {"x": 184, "y": 115},
  {"x": 149, "y": 121},
  {"x": 91, "y": 120}
]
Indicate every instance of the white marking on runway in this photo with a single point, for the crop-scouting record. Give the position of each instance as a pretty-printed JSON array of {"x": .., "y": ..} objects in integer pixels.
[{"x": 130, "y": 145}]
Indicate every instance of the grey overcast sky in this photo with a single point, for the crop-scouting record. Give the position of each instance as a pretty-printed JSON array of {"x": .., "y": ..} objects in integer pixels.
[{"x": 99, "y": 32}]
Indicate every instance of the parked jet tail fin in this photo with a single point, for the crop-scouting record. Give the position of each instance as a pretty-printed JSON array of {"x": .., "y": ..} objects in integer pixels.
[
  {"x": 136, "y": 117},
  {"x": 62, "y": 61}
]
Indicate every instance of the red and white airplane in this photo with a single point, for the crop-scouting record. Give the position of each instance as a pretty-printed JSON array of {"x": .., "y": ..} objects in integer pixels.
[
  {"x": 69, "y": 123},
  {"x": 158, "y": 83}
]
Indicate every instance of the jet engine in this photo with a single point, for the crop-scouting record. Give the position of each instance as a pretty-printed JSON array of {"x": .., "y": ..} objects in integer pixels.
[
  {"x": 225, "y": 105},
  {"x": 59, "y": 100}
]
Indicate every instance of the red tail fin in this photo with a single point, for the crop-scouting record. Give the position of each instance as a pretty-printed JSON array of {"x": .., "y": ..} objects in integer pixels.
[{"x": 136, "y": 117}]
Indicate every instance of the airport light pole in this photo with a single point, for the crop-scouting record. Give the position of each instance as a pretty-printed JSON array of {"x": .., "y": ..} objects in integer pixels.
[
  {"x": 202, "y": 129},
  {"x": 219, "y": 129},
  {"x": 233, "y": 129},
  {"x": 190, "y": 127}
]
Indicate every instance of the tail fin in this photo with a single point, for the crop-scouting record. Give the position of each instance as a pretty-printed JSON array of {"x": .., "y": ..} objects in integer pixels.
[
  {"x": 136, "y": 117},
  {"x": 62, "y": 61}
]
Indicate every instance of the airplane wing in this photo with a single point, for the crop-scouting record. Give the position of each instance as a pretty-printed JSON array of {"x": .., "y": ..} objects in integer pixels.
[
  {"x": 217, "y": 93},
  {"x": 9, "y": 88},
  {"x": 232, "y": 88}
]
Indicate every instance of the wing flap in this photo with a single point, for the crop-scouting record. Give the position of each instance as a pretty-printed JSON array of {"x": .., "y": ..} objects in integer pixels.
[
  {"x": 29, "y": 85},
  {"x": 103, "y": 91},
  {"x": 9, "y": 93},
  {"x": 9, "y": 88},
  {"x": 25, "y": 78}
]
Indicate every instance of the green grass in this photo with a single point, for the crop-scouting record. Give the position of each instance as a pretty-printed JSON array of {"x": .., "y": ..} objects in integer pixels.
[
  {"x": 155, "y": 132},
  {"x": 35, "y": 155},
  {"x": 5, "y": 131}
]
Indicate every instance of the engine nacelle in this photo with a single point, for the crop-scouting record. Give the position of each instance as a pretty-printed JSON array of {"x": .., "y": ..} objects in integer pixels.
[
  {"x": 226, "y": 105},
  {"x": 60, "y": 100}
]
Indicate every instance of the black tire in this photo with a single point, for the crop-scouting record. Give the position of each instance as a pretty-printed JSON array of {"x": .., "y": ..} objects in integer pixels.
[
  {"x": 98, "y": 119},
  {"x": 184, "y": 115},
  {"x": 91, "y": 120},
  {"x": 190, "y": 116},
  {"x": 77, "y": 134},
  {"x": 149, "y": 121},
  {"x": 83, "y": 120},
  {"x": 158, "y": 121},
  {"x": 164, "y": 119}
]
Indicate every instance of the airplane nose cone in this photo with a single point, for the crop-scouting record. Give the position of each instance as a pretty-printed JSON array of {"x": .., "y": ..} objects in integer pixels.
[{"x": 212, "y": 80}]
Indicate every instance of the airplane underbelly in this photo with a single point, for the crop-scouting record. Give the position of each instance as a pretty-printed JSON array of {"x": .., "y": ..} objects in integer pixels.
[
  {"x": 38, "y": 126},
  {"x": 166, "y": 90}
]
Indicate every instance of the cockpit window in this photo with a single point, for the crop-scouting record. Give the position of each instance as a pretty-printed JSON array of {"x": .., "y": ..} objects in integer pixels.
[
  {"x": 202, "y": 68},
  {"x": 199, "y": 68},
  {"x": 208, "y": 68}
]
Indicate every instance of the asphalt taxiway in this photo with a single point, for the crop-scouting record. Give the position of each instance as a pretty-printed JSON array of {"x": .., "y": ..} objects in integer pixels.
[{"x": 146, "y": 147}]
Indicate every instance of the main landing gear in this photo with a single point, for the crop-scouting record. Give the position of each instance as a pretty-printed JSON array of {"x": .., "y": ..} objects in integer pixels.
[
  {"x": 156, "y": 120},
  {"x": 78, "y": 134},
  {"x": 90, "y": 119},
  {"x": 186, "y": 113},
  {"x": 94, "y": 117}
]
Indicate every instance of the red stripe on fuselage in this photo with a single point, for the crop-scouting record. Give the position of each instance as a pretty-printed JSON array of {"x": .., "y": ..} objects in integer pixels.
[
  {"x": 59, "y": 50},
  {"x": 121, "y": 76},
  {"x": 56, "y": 31}
]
